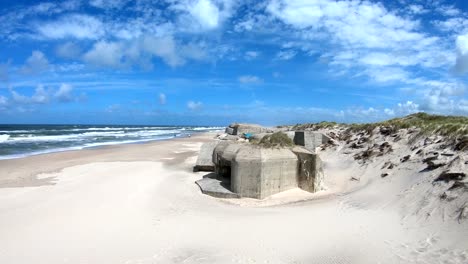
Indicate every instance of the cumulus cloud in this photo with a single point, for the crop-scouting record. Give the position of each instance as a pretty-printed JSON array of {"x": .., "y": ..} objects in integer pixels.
[
  {"x": 417, "y": 9},
  {"x": 286, "y": 54},
  {"x": 205, "y": 12},
  {"x": 361, "y": 35},
  {"x": 163, "y": 47},
  {"x": 444, "y": 98},
  {"x": 4, "y": 68},
  {"x": 461, "y": 64},
  {"x": 162, "y": 99},
  {"x": 193, "y": 106},
  {"x": 3, "y": 102},
  {"x": 40, "y": 96},
  {"x": 105, "y": 53},
  {"x": 35, "y": 64},
  {"x": 43, "y": 95},
  {"x": 202, "y": 15},
  {"x": 64, "y": 93},
  {"x": 407, "y": 108},
  {"x": 77, "y": 26},
  {"x": 113, "y": 108},
  {"x": 141, "y": 51},
  {"x": 250, "y": 55},
  {"x": 108, "y": 4},
  {"x": 68, "y": 50},
  {"x": 246, "y": 79}
]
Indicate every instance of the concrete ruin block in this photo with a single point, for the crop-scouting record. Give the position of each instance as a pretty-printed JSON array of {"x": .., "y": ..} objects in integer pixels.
[
  {"x": 309, "y": 139},
  {"x": 204, "y": 160},
  {"x": 220, "y": 163},
  {"x": 257, "y": 172},
  {"x": 229, "y": 131},
  {"x": 290, "y": 134},
  {"x": 260, "y": 172},
  {"x": 215, "y": 188},
  {"x": 310, "y": 172},
  {"x": 239, "y": 129}
]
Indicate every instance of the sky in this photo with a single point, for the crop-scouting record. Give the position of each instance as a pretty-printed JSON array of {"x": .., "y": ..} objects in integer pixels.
[{"x": 213, "y": 62}]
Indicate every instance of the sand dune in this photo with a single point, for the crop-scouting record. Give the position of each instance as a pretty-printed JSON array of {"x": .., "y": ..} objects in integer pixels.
[{"x": 139, "y": 204}]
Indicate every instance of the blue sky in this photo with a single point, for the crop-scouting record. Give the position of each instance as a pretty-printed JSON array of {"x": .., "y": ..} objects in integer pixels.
[{"x": 211, "y": 62}]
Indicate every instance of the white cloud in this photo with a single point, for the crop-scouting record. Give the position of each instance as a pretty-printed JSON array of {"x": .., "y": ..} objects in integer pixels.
[
  {"x": 164, "y": 47},
  {"x": 3, "y": 102},
  {"x": 64, "y": 93},
  {"x": 407, "y": 108},
  {"x": 202, "y": 15},
  {"x": 35, "y": 64},
  {"x": 77, "y": 26},
  {"x": 461, "y": 64},
  {"x": 389, "y": 112},
  {"x": 113, "y": 108},
  {"x": 68, "y": 50},
  {"x": 246, "y": 79},
  {"x": 105, "y": 54},
  {"x": 453, "y": 24},
  {"x": 387, "y": 74},
  {"x": 250, "y": 55},
  {"x": 141, "y": 52},
  {"x": 44, "y": 95},
  {"x": 447, "y": 10},
  {"x": 193, "y": 106},
  {"x": 417, "y": 9},
  {"x": 206, "y": 13},
  {"x": 108, "y": 4},
  {"x": 162, "y": 99},
  {"x": 4, "y": 71},
  {"x": 442, "y": 97},
  {"x": 286, "y": 54},
  {"x": 40, "y": 96},
  {"x": 361, "y": 35}
]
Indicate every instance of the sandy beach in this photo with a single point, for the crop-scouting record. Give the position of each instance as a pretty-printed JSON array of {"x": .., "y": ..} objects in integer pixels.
[{"x": 139, "y": 204}]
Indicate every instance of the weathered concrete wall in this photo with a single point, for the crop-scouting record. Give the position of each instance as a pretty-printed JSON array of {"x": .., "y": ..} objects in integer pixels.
[
  {"x": 259, "y": 172},
  {"x": 319, "y": 175},
  {"x": 309, "y": 139},
  {"x": 220, "y": 163},
  {"x": 204, "y": 160},
  {"x": 310, "y": 173},
  {"x": 279, "y": 168},
  {"x": 246, "y": 172},
  {"x": 290, "y": 134},
  {"x": 239, "y": 129},
  {"x": 229, "y": 130}
]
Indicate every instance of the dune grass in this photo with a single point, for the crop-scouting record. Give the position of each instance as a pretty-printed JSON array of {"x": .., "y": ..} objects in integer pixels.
[
  {"x": 450, "y": 126},
  {"x": 275, "y": 140}
]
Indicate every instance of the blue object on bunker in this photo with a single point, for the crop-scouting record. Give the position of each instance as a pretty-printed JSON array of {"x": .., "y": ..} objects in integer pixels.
[{"x": 247, "y": 135}]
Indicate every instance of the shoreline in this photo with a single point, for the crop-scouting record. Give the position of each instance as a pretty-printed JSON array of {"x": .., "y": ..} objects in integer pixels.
[
  {"x": 18, "y": 172},
  {"x": 97, "y": 145}
]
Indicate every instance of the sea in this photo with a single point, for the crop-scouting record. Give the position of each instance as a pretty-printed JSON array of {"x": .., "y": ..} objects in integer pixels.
[{"x": 17, "y": 141}]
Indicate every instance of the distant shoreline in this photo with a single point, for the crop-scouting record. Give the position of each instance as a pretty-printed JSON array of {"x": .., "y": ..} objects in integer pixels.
[{"x": 19, "y": 141}]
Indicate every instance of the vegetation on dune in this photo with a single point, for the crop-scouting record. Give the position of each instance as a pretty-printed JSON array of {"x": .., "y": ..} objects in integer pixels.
[
  {"x": 450, "y": 126},
  {"x": 278, "y": 139}
]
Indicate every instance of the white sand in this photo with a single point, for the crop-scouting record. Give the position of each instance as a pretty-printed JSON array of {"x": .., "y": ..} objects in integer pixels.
[{"x": 139, "y": 207}]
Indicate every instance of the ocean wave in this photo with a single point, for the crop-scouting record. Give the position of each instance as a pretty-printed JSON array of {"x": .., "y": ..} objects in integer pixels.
[
  {"x": 79, "y": 147},
  {"x": 4, "y": 137},
  {"x": 207, "y": 128},
  {"x": 143, "y": 134}
]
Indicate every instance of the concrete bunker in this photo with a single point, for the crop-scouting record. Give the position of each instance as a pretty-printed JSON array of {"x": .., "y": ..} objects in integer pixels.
[{"x": 250, "y": 170}]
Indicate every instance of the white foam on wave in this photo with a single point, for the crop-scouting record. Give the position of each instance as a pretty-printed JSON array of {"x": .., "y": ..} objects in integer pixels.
[
  {"x": 90, "y": 145},
  {"x": 4, "y": 137},
  {"x": 207, "y": 128}
]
